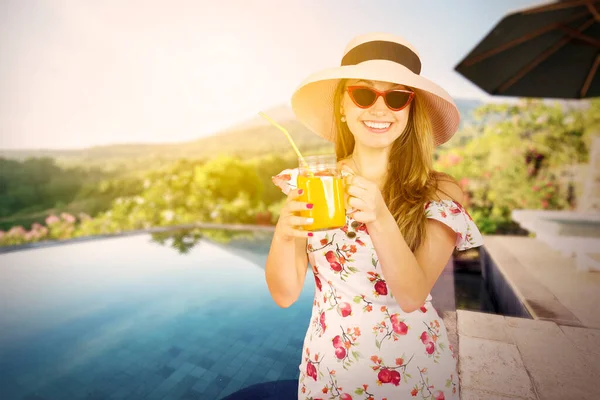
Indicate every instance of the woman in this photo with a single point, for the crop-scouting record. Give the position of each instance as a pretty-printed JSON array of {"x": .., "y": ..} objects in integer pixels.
[{"x": 373, "y": 333}]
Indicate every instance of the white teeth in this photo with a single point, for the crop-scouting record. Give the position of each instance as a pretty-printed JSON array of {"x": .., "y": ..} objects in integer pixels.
[{"x": 377, "y": 125}]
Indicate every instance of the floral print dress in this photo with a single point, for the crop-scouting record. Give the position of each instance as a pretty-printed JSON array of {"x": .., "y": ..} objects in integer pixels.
[{"x": 359, "y": 343}]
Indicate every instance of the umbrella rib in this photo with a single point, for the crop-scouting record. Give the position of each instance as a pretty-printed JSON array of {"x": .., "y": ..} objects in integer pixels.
[
  {"x": 539, "y": 59},
  {"x": 475, "y": 59},
  {"x": 590, "y": 77},
  {"x": 574, "y": 33},
  {"x": 592, "y": 8},
  {"x": 557, "y": 6}
]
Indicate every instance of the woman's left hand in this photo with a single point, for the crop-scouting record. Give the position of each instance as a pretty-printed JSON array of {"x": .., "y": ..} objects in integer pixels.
[{"x": 364, "y": 197}]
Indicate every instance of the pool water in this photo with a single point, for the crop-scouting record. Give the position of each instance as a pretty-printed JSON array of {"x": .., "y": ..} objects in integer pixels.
[{"x": 179, "y": 315}]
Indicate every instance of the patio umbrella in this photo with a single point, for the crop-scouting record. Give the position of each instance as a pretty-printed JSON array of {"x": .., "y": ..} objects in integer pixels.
[{"x": 551, "y": 51}]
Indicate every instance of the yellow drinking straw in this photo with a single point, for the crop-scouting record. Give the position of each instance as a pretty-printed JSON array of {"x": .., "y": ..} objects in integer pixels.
[{"x": 281, "y": 128}]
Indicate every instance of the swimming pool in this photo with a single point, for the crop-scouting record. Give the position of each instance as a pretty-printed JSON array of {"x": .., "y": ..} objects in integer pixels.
[{"x": 146, "y": 316}]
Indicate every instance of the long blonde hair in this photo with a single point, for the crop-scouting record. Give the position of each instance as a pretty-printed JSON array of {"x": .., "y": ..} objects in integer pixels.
[{"x": 410, "y": 180}]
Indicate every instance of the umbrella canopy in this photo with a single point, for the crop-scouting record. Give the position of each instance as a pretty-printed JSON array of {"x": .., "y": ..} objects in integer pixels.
[{"x": 551, "y": 51}]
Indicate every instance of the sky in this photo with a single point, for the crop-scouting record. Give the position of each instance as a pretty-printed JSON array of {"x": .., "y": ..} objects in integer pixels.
[{"x": 76, "y": 74}]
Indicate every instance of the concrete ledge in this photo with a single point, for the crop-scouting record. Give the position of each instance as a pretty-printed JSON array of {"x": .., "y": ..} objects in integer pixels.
[
  {"x": 539, "y": 301},
  {"x": 516, "y": 358}
]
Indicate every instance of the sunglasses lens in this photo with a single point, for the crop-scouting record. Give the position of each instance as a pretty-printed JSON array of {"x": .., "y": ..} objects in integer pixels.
[
  {"x": 397, "y": 99},
  {"x": 363, "y": 97}
]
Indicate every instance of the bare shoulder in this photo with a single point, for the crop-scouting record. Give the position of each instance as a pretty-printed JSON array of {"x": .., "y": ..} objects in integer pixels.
[{"x": 448, "y": 188}]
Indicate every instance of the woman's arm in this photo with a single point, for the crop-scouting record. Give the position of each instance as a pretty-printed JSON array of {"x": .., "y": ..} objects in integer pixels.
[
  {"x": 409, "y": 276},
  {"x": 285, "y": 270}
]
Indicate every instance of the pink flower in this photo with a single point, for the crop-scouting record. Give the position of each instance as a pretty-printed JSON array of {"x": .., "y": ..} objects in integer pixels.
[
  {"x": 52, "y": 219},
  {"x": 453, "y": 159},
  {"x": 17, "y": 231},
  {"x": 464, "y": 182},
  {"x": 544, "y": 203},
  {"x": 68, "y": 218},
  {"x": 535, "y": 188},
  {"x": 35, "y": 226}
]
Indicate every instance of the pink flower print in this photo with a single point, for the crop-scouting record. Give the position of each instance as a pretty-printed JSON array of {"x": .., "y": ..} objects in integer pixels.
[
  {"x": 363, "y": 228},
  {"x": 439, "y": 395},
  {"x": 385, "y": 375},
  {"x": 318, "y": 283},
  {"x": 395, "y": 378},
  {"x": 337, "y": 342},
  {"x": 336, "y": 266},
  {"x": 344, "y": 309},
  {"x": 398, "y": 326},
  {"x": 454, "y": 210},
  {"x": 311, "y": 370},
  {"x": 430, "y": 347},
  {"x": 333, "y": 261},
  {"x": 322, "y": 321},
  {"x": 425, "y": 338},
  {"x": 340, "y": 353},
  {"x": 381, "y": 288}
]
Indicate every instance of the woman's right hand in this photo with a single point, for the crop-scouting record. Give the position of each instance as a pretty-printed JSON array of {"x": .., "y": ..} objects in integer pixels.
[{"x": 290, "y": 223}]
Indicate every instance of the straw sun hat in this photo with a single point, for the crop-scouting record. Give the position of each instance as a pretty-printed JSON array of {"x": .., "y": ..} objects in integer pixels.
[{"x": 374, "y": 57}]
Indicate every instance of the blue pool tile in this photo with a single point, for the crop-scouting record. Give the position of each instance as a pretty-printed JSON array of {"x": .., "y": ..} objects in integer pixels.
[
  {"x": 210, "y": 393},
  {"x": 166, "y": 371},
  {"x": 177, "y": 361},
  {"x": 142, "y": 390},
  {"x": 273, "y": 374},
  {"x": 210, "y": 375},
  {"x": 197, "y": 372},
  {"x": 232, "y": 368},
  {"x": 222, "y": 380},
  {"x": 181, "y": 388},
  {"x": 243, "y": 374},
  {"x": 122, "y": 394},
  {"x": 204, "y": 363},
  {"x": 233, "y": 386},
  {"x": 201, "y": 385},
  {"x": 174, "y": 351}
]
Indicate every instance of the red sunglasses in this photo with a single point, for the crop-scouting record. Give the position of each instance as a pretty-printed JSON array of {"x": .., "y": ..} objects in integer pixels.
[{"x": 395, "y": 99}]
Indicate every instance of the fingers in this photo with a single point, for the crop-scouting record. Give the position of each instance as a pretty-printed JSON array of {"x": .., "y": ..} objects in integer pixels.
[
  {"x": 293, "y": 205},
  {"x": 294, "y": 194},
  {"x": 357, "y": 191},
  {"x": 291, "y": 225},
  {"x": 358, "y": 204}
]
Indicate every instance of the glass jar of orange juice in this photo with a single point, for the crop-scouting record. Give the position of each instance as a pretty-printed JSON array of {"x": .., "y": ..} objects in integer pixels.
[{"x": 323, "y": 186}]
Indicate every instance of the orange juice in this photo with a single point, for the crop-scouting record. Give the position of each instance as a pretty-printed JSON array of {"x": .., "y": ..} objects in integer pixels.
[{"x": 325, "y": 190}]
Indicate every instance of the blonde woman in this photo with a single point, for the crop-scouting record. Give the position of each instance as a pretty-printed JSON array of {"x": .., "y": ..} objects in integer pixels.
[{"x": 374, "y": 333}]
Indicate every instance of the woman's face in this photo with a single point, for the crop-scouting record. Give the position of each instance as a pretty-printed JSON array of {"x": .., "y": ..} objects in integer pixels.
[{"x": 377, "y": 126}]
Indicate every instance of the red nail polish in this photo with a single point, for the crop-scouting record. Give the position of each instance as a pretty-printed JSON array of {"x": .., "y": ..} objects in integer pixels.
[
  {"x": 309, "y": 205},
  {"x": 310, "y": 233},
  {"x": 300, "y": 191}
]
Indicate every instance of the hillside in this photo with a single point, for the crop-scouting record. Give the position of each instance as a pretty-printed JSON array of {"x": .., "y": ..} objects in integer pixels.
[{"x": 249, "y": 139}]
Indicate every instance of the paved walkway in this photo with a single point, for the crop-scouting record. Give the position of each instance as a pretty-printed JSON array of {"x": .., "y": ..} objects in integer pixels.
[{"x": 555, "y": 355}]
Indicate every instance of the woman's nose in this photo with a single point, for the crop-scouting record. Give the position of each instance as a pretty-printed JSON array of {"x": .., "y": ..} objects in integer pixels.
[{"x": 379, "y": 108}]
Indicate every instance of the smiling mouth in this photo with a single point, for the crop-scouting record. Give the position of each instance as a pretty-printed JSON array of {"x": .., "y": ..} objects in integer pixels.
[{"x": 377, "y": 127}]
